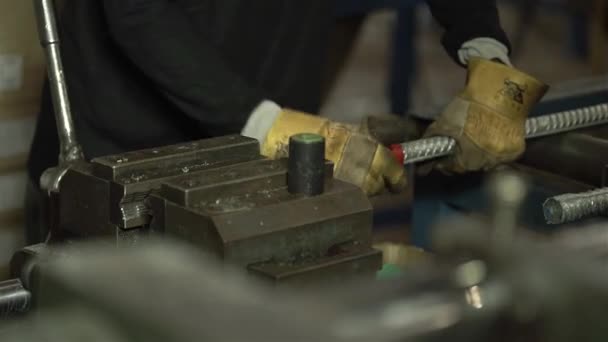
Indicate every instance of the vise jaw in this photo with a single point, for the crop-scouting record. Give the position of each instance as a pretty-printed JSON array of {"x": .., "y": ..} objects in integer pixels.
[{"x": 222, "y": 196}]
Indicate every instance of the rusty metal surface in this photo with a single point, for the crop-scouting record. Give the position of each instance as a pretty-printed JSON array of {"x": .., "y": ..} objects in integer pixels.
[
  {"x": 135, "y": 174},
  {"x": 340, "y": 200},
  {"x": 346, "y": 263},
  {"x": 169, "y": 160},
  {"x": 274, "y": 225},
  {"x": 84, "y": 204},
  {"x": 245, "y": 215},
  {"x": 110, "y": 192},
  {"x": 228, "y": 184}
]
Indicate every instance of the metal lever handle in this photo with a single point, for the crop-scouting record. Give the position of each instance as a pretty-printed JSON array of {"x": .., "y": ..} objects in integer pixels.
[
  {"x": 435, "y": 147},
  {"x": 70, "y": 150}
]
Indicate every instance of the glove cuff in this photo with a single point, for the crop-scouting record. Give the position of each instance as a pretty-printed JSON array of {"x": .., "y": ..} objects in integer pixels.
[
  {"x": 503, "y": 89},
  {"x": 260, "y": 120},
  {"x": 484, "y": 47},
  {"x": 290, "y": 122}
]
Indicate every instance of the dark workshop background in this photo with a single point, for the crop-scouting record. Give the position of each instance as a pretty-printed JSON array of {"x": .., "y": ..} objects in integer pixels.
[{"x": 555, "y": 40}]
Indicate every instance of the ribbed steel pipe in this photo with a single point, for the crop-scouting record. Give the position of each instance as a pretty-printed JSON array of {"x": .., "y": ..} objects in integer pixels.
[
  {"x": 14, "y": 298},
  {"x": 428, "y": 148},
  {"x": 435, "y": 147},
  {"x": 572, "y": 207}
]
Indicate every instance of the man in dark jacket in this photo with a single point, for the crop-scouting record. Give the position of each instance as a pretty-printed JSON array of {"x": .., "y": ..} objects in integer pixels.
[{"x": 146, "y": 73}]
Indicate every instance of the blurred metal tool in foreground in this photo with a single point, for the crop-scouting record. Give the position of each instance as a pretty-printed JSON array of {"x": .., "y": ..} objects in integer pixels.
[
  {"x": 14, "y": 298},
  {"x": 471, "y": 291},
  {"x": 507, "y": 191}
]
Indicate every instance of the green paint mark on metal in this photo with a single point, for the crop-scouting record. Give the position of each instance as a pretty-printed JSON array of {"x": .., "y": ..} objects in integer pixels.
[
  {"x": 308, "y": 138},
  {"x": 389, "y": 271}
]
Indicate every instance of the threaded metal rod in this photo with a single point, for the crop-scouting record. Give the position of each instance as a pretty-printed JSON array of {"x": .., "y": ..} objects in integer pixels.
[
  {"x": 571, "y": 207},
  {"x": 435, "y": 147},
  {"x": 14, "y": 298}
]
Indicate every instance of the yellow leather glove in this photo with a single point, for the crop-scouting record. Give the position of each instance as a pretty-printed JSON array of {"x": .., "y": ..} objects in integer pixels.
[
  {"x": 488, "y": 117},
  {"x": 390, "y": 129},
  {"x": 358, "y": 158}
]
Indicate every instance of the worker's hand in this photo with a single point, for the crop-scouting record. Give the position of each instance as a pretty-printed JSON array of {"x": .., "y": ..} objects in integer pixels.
[
  {"x": 391, "y": 129},
  {"x": 359, "y": 159},
  {"x": 487, "y": 118}
]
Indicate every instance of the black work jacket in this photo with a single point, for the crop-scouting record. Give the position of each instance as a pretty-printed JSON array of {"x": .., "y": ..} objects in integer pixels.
[{"x": 146, "y": 73}]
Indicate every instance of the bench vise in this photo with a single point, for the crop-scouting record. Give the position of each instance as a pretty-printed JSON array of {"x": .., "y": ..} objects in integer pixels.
[{"x": 221, "y": 195}]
